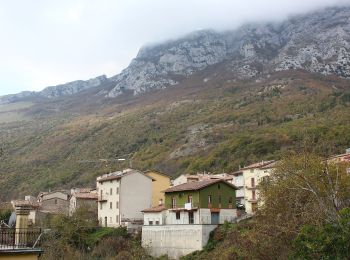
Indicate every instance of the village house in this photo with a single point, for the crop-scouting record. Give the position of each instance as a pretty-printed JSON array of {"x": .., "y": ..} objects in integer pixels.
[
  {"x": 83, "y": 198},
  {"x": 252, "y": 175},
  {"x": 191, "y": 211},
  {"x": 341, "y": 158},
  {"x": 122, "y": 195},
  {"x": 160, "y": 182},
  {"x": 181, "y": 179},
  {"x": 55, "y": 202},
  {"x": 184, "y": 178},
  {"x": 238, "y": 181}
]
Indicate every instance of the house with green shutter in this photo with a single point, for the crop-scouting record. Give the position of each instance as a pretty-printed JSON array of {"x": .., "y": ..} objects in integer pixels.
[
  {"x": 209, "y": 201},
  {"x": 201, "y": 202},
  {"x": 190, "y": 212}
]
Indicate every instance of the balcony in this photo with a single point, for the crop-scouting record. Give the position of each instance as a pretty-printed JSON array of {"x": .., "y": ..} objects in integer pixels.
[
  {"x": 194, "y": 206},
  {"x": 102, "y": 199},
  {"x": 16, "y": 240}
]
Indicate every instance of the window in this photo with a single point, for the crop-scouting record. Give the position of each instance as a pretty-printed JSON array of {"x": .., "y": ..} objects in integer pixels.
[
  {"x": 190, "y": 199},
  {"x": 101, "y": 205},
  {"x": 253, "y": 194},
  {"x": 157, "y": 222},
  {"x": 209, "y": 199},
  {"x": 254, "y": 207},
  {"x": 190, "y": 218},
  {"x": 101, "y": 193},
  {"x": 177, "y": 215},
  {"x": 252, "y": 180},
  {"x": 110, "y": 205},
  {"x": 111, "y": 191},
  {"x": 117, "y": 205},
  {"x": 230, "y": 200},
  {"x": 117, "y": 218},
  {"x": 219, "y": 186},
  {"x": 150, "y": 222},
  {"x": 55, "y": 201},
  {"x": 117, "y": 190},
  {"x": 173, "y": 202}
]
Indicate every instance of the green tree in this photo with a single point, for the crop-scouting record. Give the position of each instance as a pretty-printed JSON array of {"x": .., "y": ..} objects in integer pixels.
[{"x": 329, "y": 241}]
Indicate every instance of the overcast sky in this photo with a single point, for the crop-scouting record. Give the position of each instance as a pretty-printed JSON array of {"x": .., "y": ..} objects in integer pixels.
[{"x": 46, "y": 42}]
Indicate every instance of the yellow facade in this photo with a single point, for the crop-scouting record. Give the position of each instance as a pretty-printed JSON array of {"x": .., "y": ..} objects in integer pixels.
[
  {"x": 252, "y": 178},
  {"x": 20, "y": 256},
  {"x": 161, "y": 182}
]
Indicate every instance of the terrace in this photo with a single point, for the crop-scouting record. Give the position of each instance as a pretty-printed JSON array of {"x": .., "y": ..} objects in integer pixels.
[{"x": 20, "y": 241}]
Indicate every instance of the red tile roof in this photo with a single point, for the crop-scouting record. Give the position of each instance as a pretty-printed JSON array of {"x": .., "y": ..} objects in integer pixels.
[
  {"x": 119, "y": 174},
  {"x": 159, "y": 208},
  {"x": 83, "y": 190},
  {"x": 257, "y": 165},
  {"x": 87, "y": 196},
  {"x": 196, "y": 185}
]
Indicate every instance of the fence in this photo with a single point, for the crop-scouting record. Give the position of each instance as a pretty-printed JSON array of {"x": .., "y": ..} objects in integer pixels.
[{"x": 19, "y": 238}]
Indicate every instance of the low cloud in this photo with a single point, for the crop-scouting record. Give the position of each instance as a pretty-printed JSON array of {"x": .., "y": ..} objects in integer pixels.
[{"x": 78, "y": 39}]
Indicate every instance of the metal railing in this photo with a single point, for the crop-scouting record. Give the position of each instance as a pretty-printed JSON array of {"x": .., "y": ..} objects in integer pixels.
[
  {"x": 19, "y": 238},
  {"x": 194, "y": 205}
]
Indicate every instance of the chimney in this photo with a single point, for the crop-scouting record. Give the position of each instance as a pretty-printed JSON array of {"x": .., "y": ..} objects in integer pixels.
[{"x": 22, "y": 213}]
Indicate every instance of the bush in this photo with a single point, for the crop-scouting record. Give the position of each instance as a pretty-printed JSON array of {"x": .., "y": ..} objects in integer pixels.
[{"x": 110, "y": 246}]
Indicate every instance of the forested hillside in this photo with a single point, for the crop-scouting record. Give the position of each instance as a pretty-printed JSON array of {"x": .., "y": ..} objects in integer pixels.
[
  {"x": 214, "y": 125},
  {"x": 209, "y": 101}
]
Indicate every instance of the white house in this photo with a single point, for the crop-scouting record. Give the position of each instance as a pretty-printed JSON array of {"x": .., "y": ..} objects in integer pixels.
[
  {"x": 184, "y": 178},
  {"x": 253, "y": 174},
  {"x": 122, "y": 195},
  {"x": 191, "y": 211},
  {"x": 238, "y": 181}
]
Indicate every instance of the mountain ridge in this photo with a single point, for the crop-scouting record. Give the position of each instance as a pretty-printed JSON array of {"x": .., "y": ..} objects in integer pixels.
[
  {"x": 60, "y": 90},
  {"x": 317, "y": 42}
]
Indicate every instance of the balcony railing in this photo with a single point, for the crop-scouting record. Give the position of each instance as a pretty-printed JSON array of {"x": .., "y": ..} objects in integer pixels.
[
  {"x": 194, "y": 205},
  {"x": 19, "y": 238}
]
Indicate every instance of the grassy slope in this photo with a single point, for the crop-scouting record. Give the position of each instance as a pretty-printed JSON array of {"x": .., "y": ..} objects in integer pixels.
[{"x": 197, "y": 126}]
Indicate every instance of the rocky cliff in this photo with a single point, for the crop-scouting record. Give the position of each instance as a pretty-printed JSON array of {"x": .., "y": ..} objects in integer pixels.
[
  {"x": 66, "y": 89},
  {"x": 317, "y": 42}
]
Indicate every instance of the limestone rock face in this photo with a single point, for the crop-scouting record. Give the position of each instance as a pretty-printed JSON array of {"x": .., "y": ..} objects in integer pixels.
[
  {"x": 72, "y": 87},
  {"x": 57, "y": 91},
  {"x": 155, "y": 67},
  {"x": 317, "y": 42}
]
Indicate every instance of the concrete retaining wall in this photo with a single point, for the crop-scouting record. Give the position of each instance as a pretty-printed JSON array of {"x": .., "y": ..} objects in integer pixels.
[{"x": 175, "y": 240}]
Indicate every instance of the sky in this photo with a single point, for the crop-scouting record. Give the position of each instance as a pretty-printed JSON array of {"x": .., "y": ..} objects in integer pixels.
[{"x": 45, "y": 42}]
